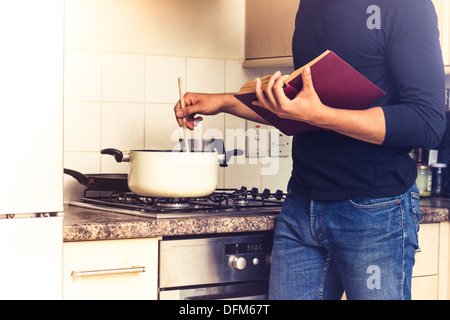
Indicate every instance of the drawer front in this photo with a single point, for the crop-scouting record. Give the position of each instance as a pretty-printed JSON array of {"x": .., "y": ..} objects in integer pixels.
[
  {"x": 427, "y": 255},
  {"x": 425, "y": 288},
  {"x": 112, "y": 269}
]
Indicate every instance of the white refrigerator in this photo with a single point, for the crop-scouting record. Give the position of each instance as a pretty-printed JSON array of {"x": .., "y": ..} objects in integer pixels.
[{"x": 31, "y": 139}]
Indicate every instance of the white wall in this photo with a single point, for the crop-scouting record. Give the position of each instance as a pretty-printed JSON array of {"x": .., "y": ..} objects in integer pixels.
[{"x": 122, "y": 61}]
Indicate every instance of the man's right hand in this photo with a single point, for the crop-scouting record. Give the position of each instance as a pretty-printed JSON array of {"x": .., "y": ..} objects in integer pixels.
[
  {"x": 211, "y": 104},
  {"x": 199, "y": 103}
]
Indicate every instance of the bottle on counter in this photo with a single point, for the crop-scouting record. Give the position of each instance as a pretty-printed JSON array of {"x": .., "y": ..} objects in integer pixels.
[
  {"x": 419, "y": 156},
  {"x": 439, "y": 178},
  {"x": 424, "y": 180},
  {"x": 425, "y": 156}
]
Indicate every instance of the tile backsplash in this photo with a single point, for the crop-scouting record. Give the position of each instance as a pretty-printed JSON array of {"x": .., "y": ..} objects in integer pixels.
[{"x": 124, "y": 98}]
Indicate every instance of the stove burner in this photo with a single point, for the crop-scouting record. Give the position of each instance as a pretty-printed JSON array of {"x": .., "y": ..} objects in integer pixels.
[
  {"x": 172, "y": 203},
  {"x": 240, "y": 202}
]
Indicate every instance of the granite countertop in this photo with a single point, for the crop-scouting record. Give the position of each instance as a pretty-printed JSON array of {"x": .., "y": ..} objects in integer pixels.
[
  {"x": 434, "y": 209},
  {"x": 82, "y": 224}
]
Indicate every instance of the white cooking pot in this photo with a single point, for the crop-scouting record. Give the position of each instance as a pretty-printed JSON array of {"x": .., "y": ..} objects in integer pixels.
[{"x": 161, "y": 173}]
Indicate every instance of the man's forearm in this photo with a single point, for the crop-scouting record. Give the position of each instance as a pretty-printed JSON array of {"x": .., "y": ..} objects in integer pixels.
[
  {"x": 366, "y": 125},
  {"x": 235, "y": 107}
]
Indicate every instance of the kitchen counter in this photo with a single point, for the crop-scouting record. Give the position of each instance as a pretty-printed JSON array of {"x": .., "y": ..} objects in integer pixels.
[
  {"x": 82, "y": 224},
  {"x": 434, "y": 209}
]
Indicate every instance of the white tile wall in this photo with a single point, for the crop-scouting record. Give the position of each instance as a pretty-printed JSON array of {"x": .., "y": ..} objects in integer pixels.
[
  {"x": 161, "y": 74},
  {"x": 82, "y": 76},
  {"x": 123, "y": 77},
  {"x": 82, "y": 122},
  {"x": 123, "y": 125},
  {"x": 161, "y": 130}
]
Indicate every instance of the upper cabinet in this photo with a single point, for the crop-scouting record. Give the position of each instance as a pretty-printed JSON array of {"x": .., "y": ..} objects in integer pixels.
[
  {"x": 443, "y": 13},
  {"x": 270, "y": 25},
  {"x": 268, "y": 32}
]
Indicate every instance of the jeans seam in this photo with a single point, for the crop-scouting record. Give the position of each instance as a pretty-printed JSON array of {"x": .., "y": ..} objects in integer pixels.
[
  {"x": 317, "y": 235},
  {"x": 323, "y": 279},
  {"x": 402, "y": 284}
]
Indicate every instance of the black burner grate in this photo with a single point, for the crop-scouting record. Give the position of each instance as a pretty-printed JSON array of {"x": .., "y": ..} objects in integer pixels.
[{"x": 221, "y": 200}]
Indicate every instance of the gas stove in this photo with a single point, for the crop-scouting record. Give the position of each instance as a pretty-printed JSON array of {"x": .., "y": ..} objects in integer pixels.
[{"x": 221, "y": 202}]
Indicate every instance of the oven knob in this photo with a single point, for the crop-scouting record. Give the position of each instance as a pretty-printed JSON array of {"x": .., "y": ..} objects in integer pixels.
[{"x": 239, "y": 263}]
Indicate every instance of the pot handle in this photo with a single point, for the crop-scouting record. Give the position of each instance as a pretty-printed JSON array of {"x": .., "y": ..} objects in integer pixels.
[
  {"x": 118, "y": 155},
  {"x": 224, "y": 158}
]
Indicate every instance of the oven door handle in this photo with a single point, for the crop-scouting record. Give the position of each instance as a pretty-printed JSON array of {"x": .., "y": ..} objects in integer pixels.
[
  {"x": 228, "y": 297},
  {"x": 253, "y": 297}
]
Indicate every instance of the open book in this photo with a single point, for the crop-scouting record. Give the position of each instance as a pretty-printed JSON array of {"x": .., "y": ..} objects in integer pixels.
[{"x": 337, "y": 84}]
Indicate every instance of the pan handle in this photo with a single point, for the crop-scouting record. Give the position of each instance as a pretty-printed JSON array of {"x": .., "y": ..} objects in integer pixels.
[
  {"x": 81, "y": 178},
  {"x": 118, "y": 155}
]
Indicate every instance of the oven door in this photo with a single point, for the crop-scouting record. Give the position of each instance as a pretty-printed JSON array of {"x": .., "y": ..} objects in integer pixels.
[{"x": 257, "y": 290}]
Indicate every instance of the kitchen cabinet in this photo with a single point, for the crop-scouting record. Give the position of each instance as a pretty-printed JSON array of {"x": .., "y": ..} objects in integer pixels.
[
  {"x": 31, "y": 122},
  {"x": 430, "y": 273},
  {"x": 111, "y": 269},
  {"x": 31, "y": 258},
  {"x": 269, "y": 26},
  {"x": 31, "y": 130},
  {"x": 443, "y": 13}
]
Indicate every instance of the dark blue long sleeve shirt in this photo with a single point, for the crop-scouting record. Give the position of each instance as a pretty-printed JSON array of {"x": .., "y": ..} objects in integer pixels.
[{"x": 395, "y": 44}]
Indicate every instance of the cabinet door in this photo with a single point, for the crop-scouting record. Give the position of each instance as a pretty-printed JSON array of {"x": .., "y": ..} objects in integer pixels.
[
  {"x": 31, "y": 121},
  {"x": 111, "y": 269},
  {"x": 269, "y": 28},
  {"x": 428, "y": 254},
  {"x": 443, "y": 13},
  {"x": 424, "y": 288},
  {"x": 31, "y": 258},
  {"x": 446, "y": 31}
]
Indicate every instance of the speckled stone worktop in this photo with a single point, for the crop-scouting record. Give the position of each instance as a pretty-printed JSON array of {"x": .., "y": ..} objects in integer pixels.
[
  {"x": 85, "y": 224},
  {"x": 434, "y": 209}
]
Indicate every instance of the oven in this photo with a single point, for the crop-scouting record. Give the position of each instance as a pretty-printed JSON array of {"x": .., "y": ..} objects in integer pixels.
[{"x": 215, "y": 267}]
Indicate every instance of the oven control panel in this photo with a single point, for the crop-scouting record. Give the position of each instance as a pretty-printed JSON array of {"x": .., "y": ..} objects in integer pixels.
[
  {"x": 251, "y": 255},
  {"x": 248, "y": 247},
  {"x": 221, "y": 259}
]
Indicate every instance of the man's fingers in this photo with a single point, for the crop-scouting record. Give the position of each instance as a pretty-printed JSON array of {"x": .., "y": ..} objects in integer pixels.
[
  {"x": 278, "y": 90},
  {"x": 189, "y": 113},
  {"x": 260, "y": 94},
  {"x": 307, "y": 79},
  {"x": 269, "y": 89}
]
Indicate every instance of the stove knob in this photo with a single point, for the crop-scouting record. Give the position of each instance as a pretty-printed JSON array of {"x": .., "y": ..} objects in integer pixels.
[{"x": 239, "y": 263}]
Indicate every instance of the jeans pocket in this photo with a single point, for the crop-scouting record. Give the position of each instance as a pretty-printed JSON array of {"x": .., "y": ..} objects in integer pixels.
[{"x": 374, "y": 203}]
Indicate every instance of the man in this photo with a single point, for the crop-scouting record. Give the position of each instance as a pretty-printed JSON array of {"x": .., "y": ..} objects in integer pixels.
[{"x": 351, "y": 216}]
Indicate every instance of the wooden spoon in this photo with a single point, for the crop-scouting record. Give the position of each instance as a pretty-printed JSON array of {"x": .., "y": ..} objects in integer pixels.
[{"x": 185, "y": 129}]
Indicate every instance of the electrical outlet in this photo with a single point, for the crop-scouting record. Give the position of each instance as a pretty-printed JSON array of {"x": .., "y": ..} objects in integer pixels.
[
  {"x": 280, "y": 144},
  {"x": 256, "y": 141}
]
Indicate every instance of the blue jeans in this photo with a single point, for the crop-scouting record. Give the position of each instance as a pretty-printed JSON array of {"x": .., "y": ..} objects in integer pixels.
[{"x": 363, "y": 246}]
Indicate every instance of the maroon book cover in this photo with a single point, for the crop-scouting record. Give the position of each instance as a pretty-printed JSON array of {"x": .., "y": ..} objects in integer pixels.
[{"x": 337, "y": 84}]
